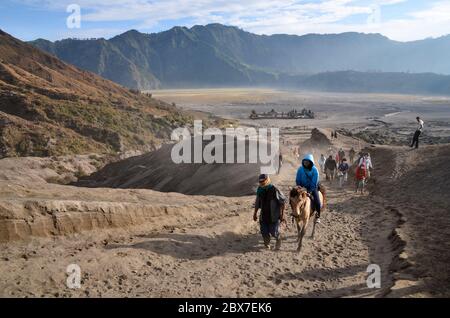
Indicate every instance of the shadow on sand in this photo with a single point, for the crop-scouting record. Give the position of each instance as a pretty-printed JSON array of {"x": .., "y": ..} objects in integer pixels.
[{"x": 196, "y": 247}]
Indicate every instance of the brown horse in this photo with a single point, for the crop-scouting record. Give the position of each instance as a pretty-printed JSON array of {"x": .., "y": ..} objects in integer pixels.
[{"x": 302, "y": 211}]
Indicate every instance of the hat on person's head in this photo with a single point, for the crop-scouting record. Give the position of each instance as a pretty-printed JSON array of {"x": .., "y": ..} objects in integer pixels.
[{"x": 264, "y": 181}]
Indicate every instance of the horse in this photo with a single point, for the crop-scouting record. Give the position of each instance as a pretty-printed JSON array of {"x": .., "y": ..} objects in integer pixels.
[{"x": 300, "y": 202}]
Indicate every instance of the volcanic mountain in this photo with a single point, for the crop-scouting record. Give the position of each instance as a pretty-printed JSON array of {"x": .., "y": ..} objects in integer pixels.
[
  {"x": 48, "y": 107},
  {"x": 217, "y": 55}
]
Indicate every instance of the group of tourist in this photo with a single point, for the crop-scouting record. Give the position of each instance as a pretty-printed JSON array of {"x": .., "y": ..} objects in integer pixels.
[
  {"x": 337, "y": 166},
  {"x": 271, "y": 201}
]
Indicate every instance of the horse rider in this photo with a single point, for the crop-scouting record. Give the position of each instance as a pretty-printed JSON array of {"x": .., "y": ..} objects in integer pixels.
[{"x": 308, "y": 177}]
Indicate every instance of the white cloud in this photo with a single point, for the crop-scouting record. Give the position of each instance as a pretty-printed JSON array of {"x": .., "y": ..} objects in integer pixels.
[
  {"x": 431, "y": 22},
  {"x": 267, "y": 17},
  {"x": 85, "y": 33}
]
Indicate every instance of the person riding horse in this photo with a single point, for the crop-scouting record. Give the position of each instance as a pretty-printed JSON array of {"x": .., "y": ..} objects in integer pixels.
[{"x": 308, "y": 177}]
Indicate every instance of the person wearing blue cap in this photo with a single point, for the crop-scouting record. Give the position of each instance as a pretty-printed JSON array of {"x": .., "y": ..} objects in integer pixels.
[{"x": 271, "y": 202}]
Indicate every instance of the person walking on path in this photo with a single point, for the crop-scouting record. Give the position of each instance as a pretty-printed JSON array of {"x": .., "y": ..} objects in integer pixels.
[
  {"x": 351, "y": 155},
  {"x": 343, "y": 172},
  {"x": 366, "y": 161},
  {"x": 322, "y": 161},
  {"x": 419, "y": 131},
  {"x": 360, "y": 177},
  {"x": 271, "y": 201},
  {"x": 341, "y": 155},
  {"x": 330, "y": 168},
  {"x": 280, "y": 162}
]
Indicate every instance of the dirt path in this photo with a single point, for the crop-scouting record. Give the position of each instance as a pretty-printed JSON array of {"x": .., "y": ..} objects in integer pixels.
[
  {"x": 220, "y": 255},
  {"x": 210, "y": 246}
]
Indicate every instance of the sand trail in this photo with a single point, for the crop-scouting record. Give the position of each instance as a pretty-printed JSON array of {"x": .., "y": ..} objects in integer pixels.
[
  {"x": 218, "y": 254},
  {"x": 207, "y": 246}
]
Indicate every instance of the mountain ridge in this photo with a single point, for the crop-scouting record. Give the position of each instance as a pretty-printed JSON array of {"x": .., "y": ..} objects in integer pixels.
[{"x": 217, "y": 55}]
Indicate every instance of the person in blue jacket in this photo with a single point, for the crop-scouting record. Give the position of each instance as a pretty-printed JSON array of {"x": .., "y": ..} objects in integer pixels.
[{"x": 308, "y": 177}]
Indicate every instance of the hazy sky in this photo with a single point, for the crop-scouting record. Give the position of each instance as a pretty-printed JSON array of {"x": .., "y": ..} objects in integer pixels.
[{"x": 402, "y": 20}]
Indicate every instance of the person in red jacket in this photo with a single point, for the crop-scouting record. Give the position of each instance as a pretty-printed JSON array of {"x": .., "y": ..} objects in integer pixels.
[{"x": 361, "y": 176}]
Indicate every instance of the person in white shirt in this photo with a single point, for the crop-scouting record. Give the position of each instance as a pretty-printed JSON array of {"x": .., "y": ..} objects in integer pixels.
[{"x": 415, "y": 142}]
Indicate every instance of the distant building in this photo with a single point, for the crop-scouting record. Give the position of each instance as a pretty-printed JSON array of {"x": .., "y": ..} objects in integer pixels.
[{"x": 293, "y": 114}]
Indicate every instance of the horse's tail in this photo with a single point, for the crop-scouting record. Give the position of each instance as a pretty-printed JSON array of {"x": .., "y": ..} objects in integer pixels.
[{"x": 323, "y": 190}]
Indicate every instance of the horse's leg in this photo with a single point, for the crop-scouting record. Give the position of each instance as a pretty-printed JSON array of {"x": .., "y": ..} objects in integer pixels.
[{"x": 300, "y": 237}]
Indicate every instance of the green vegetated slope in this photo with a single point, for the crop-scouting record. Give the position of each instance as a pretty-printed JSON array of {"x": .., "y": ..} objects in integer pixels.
[{"x": 48, "y": 107}]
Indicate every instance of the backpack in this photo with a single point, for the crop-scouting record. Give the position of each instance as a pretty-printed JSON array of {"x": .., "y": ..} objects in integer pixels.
[{"x": 363, "y": 163}]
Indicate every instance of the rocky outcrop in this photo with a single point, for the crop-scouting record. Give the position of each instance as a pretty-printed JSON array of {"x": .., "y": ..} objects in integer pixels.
[{"x": 318, "y": 140}]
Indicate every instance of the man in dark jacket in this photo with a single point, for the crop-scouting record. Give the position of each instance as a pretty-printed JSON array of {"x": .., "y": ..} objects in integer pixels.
[
  {"x": 271, "y": 202},
  {"x": 343, "y": 172},
  {"x": 330, "y": 168}
]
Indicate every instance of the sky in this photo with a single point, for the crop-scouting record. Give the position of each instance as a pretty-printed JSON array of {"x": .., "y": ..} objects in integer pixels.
[{"x": 401, "y": 20}]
